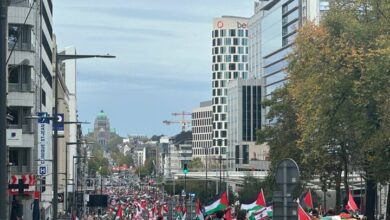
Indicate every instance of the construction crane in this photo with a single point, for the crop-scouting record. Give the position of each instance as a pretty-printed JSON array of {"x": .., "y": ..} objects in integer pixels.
[{"x": 183, "y": 122}]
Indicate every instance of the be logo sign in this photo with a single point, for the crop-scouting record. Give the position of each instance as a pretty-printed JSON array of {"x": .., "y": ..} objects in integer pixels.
[
  {"x": 220, "y": 24},
  {"x": 242, "y": 25}
]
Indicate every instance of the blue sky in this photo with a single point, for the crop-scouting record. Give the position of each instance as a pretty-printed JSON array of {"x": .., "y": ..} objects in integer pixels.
[{"x": 163, "y": 63}]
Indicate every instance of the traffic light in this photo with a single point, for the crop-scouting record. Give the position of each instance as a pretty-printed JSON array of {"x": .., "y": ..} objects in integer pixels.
[
  {"x": 43, "y": 184},
  {"x": 185, "y": 168}
]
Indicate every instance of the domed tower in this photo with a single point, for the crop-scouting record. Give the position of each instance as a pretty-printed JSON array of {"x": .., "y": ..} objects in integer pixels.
[{"x": 102, "y": 128}]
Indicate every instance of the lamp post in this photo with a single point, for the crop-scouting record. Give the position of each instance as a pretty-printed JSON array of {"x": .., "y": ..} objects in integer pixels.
[
  {"x": 59, "y": 59},
  {"x": 75, "y": 177},
  {"x": 66, "y": 169},
  {"x": 207, "y": 182}
]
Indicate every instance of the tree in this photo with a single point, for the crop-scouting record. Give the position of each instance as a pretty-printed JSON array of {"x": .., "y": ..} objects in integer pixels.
[
  {"x": 281, "y": 134},
  {"x": 196, "y": 164},
  {"x": 338, "y": 72},
  {"x": 98, "y": 163}
]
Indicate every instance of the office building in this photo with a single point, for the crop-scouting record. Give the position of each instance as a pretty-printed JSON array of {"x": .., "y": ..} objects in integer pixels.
[
  {"x": 202, "y": 130},
  {"x": 244, "y": 119},
  {"x": 274, "y": 25},
  {"x": 229, "y": 61},
  {"x": 30, "y": 90},
  {"x": 164, "y": 157},
  {"x": 102, "y": 129},
  {"x": 179, "y": 152}
]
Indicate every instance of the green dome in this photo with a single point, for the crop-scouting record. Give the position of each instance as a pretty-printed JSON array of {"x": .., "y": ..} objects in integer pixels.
[{"x": 101, "y": 115}]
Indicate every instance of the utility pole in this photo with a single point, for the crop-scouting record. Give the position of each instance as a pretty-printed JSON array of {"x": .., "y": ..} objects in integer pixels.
[
  {"x": 207, "y": 183},
  {"x": 3, "y": 109}
]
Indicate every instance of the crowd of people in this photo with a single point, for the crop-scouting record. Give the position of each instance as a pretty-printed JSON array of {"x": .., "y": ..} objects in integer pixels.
[{"x": 145, "y": 201}]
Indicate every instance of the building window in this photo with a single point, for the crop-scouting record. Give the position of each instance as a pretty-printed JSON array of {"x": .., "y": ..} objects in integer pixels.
[
  {"x": 43, "y": 97},
  {"x": 19, "y": 159},
  {"x": 245, "y": 154},
  {"x": 19, "y": 78},
  {"x": 232, "y": 33},
  {"x": 20, "y": 120},
  {"x": 235, "y": 41},
  {"x": 19, "y": 37},
  {"x": 232, "y": 66},
  {"x": 237, "y": 154}
]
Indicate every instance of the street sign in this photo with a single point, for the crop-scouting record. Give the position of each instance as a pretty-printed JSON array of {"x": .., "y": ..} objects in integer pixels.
[
  {"x": 42, "y": 170},
  {"x": 44, "y": 142},
  {"x": 287, "y": 175},
  {"x": 287, "y": 178},
  {"x": 60, "y": 122}
]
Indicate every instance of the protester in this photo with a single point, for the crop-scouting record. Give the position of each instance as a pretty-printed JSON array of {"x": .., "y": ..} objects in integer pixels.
[{"x": 241, "y": 215}]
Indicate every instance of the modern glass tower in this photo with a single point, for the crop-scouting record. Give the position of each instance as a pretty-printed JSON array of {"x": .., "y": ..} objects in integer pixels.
[
  {"x": 272, "y": 31},
  {"x": 229, "y": 61}
]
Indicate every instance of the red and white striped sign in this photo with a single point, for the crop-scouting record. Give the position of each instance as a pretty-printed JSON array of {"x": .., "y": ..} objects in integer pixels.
[{"x": 28, "y": 179}]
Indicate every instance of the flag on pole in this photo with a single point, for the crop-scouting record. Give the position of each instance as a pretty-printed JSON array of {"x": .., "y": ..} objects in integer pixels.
[
  {"x": 256, "y": 205},
  {"x": 351, "y": 205},
  {"x": 302, "y": 215},
  {"x": 228, "y": 214},
  {"x": 220, "y": 204},
  {"x": 308, "y": 200},
  {"x": 198, "y": 212},
  {"x": 260, "y": 214}
]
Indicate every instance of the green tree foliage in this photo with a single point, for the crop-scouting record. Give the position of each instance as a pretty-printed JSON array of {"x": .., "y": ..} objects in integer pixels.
[
  {"x": 282, "y": 134},
  {"x": 114, "y": 141},
  {"x": 333, "y": 115},
  {"x": 98, "y": 163},
  {"x": 147, "y": 169},
  {"x": 196, "y": 164},
  {"x": 193, "y": 186}
]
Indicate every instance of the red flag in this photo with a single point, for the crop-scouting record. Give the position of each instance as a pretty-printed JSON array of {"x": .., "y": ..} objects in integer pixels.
[
  {"x": 224, "y": 199},
  {"x": 351, "y": 206},
  {"x": 260, "y": 199},
  {"x": 302, "y": 215},
  {"x": 119, "y": 213},
  {"x": 308, "y": 200},
  {"x": 197, "y": 209},
  {"x": 228, "y": 214},
  {"x": 143, "y": 204}
]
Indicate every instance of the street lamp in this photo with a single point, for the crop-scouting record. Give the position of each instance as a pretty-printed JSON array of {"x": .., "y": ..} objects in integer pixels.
[
  {"x": 59, "y": 58},
  {"x": 75, "y": 185},
  {"x": 66, "y": 169},
  {"x": 207, "y": 183}
]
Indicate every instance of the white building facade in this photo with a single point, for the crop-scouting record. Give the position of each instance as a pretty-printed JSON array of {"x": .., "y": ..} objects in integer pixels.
[
  {"x": 229, "y": 61},
  {"x": 30, "y": 90},
  {"x": 202, "y": 130}
]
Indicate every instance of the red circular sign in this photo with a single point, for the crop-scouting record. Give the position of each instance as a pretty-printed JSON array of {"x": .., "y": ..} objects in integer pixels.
[{"x": 220, "y": 24}]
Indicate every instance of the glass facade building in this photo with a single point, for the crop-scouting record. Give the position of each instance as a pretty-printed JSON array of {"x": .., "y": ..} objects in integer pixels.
[{"x": 279, "y": 21}]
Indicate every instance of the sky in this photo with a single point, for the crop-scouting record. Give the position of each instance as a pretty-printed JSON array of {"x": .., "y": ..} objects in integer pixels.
[{"x": 163, "y": 64}]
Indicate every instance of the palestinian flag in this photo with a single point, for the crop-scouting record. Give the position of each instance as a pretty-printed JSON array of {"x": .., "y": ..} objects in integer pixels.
[
  {"x": 119, "y": 214},
  {"x": 351, "y": 205},
  {"x": 302, "y": 215},
  {"x": 308, "y": 200},
  {"x": 261, "y": 214},
  {"x": 220, "y": 204},
  {"x": 256, "y": 205},
  {"x": 198, "y": 212}
]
